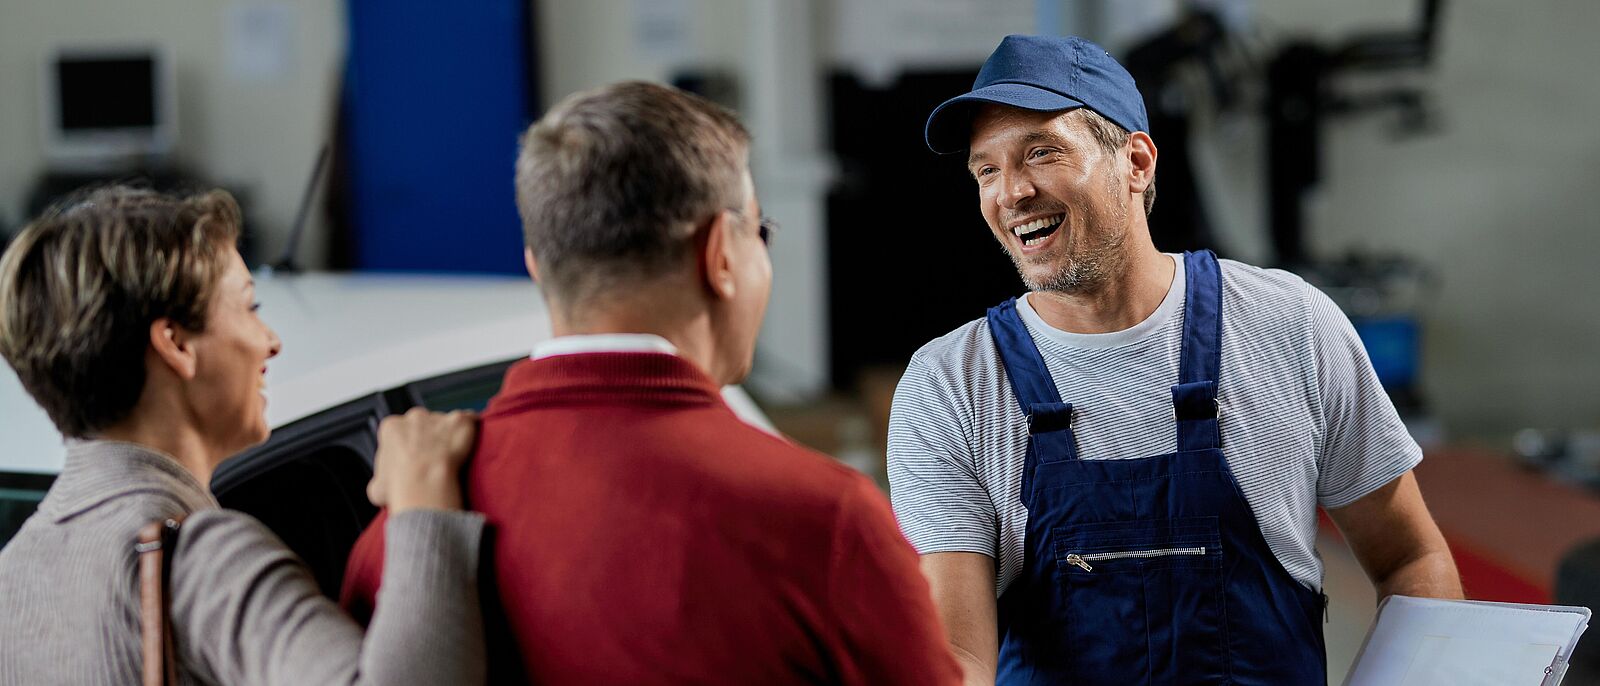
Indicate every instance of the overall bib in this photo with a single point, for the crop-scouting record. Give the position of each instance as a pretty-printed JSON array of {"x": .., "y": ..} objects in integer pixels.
[{"x": 1150, "y": 570}]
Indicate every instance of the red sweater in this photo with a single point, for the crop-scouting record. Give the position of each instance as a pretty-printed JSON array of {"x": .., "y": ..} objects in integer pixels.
[{"x": 644, "y": 534}]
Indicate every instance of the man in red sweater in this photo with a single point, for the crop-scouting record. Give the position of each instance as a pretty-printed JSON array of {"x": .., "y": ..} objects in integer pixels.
[{"x": 644, "y": 534}]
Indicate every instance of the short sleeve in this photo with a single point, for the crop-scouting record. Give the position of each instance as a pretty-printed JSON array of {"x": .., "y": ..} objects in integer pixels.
[
  {"x": 937, "y": 495},
  {"x": 1364, "y": 445}
]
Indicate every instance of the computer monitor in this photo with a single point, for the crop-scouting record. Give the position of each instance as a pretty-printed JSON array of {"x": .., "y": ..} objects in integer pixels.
[{"x": 108, "y": 107}]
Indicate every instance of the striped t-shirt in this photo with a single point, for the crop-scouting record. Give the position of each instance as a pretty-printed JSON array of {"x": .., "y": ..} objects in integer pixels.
[{"x": 1304, "y": 420}]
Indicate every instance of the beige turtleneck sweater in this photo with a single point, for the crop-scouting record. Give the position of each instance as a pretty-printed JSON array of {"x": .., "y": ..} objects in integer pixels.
[{"x": 245, "y": 610}]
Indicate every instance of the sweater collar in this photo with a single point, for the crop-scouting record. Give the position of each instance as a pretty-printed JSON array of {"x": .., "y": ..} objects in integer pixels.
[
  {"x": 97, "y": 471},
  {"x": 651, "y": 376}
]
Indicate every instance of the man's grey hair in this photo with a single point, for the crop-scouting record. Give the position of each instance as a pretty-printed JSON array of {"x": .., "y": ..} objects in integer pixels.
[
  {"x": 612, "y": 182},
  {"x": 1112, "y": 137}
]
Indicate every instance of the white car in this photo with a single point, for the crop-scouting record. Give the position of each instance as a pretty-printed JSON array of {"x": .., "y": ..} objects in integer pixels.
[{"x": 356, "y": 348}]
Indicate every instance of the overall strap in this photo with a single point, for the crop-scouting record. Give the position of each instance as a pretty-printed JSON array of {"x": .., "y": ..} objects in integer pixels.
[
  {"x": 1030, "y": 380},
  {"x": 1049, "y": 419},
  {"x": 1194, "y": 398}
]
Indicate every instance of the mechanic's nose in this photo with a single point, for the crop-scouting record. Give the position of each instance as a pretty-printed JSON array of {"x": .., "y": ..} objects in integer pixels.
[{"x": 1015, "y": 189}]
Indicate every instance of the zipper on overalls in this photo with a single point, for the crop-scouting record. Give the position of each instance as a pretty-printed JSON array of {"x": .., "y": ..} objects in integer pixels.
[{"x": 1083, "y": 561}]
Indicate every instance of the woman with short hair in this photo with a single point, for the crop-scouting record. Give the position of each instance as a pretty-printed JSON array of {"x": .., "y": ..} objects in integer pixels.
[{"x": 130, "y": 318}]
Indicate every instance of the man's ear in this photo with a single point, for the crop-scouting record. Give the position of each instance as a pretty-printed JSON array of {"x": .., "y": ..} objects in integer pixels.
[
  {"x": 531, "y": 264},
  {"x": 1141, "y": 162},
  {"x": 716, "y": 256},
  {"x": 173, "y": 345}
]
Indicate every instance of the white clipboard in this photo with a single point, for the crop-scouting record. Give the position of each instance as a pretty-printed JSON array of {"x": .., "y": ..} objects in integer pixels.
[{"x": 1430, "y": 642}]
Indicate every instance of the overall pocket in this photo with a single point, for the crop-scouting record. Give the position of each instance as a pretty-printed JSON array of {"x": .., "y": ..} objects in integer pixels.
[{"x": 1142, "y": 601}]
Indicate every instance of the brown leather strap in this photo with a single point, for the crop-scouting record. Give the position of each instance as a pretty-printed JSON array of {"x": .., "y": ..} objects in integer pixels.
[{"x": 160, "y": 660}]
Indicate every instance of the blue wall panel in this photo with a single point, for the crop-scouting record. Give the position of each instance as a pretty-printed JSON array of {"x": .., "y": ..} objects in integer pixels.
[{"x": 436, "y": 94}]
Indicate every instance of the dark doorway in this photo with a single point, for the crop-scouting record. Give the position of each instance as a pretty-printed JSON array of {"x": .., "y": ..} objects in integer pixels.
[{"x": 910, "y": 256}]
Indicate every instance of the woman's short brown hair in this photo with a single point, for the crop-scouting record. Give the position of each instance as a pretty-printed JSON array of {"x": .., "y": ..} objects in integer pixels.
[{"x": 80, "y": 286}]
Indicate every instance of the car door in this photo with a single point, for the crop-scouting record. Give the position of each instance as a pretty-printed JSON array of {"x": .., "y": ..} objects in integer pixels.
[{"x": 308, "y": 481}]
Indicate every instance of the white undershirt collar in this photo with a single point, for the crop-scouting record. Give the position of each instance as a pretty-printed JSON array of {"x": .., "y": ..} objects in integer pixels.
[
  {"x": 603, "y": 343},
  {"x": 1171, "y": 305}
]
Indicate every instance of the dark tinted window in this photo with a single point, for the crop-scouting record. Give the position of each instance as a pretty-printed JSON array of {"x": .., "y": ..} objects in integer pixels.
[
  {"x": 469, "y": 389},
  {"x": 308, "y": 484},
  {"x": 308, "y": 481},
  {"x": 315, "y": 502},
  {"x": 19, "y": 497}
]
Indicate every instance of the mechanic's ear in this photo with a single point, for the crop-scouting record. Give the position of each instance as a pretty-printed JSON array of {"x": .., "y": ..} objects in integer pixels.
[
  {"x": 1141, "y": 162},
  {"x": 173, "y": 345},
  {"x": 530, "y": 263},
  {"x": 716, "y": 256}
]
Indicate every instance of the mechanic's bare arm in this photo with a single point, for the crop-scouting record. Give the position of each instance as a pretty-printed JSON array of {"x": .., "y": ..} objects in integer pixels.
[
  {"x": 963, "y": 595},
  {"x": 1397, "y": 542}
]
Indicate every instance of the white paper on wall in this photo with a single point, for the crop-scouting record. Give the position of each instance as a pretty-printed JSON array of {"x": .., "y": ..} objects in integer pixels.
[{"x": 259, "y": 36}]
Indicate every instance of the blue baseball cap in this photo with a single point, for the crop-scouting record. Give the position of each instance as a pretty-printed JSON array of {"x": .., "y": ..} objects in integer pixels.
[{"x": 1043, "y": 74}]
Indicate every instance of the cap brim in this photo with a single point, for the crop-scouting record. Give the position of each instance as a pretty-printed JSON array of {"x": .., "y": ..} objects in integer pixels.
[{"x": 949, "y": 128}]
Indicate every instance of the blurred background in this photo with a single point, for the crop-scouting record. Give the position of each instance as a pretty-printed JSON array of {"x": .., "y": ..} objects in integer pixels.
[{"x": 1428, "y": 163}]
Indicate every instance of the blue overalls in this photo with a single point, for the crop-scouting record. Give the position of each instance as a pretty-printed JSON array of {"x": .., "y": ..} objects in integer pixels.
[{"x": 1149, "y": 570}]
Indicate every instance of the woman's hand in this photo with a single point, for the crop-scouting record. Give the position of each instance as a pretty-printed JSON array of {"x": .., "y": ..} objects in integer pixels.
[{"x": 419, "y": 460}]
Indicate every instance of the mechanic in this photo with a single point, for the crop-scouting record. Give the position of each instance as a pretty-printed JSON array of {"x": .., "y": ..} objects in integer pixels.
[
  {"x": 1130, "y": 456},
  {"x": 644, "y": 534}
]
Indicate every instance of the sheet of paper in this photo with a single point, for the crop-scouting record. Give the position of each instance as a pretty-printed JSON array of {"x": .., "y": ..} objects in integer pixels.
[
  {"x": 260, "y": 39},
  {"x": 1425, "y": 642}
]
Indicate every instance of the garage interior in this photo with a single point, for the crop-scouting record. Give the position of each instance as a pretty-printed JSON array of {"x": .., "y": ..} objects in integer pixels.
[{"x": 1429, "y": 164}]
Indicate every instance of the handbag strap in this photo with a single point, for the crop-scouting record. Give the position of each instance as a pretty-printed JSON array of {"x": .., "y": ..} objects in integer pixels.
[{"x": 155, "y": 624}]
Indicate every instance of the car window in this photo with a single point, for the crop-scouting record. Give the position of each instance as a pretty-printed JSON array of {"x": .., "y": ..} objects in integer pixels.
[
  {"x": 316, "y": 503},
  {"x": 308, "y": 484},
  {"x": 308, "y": 481},
  {"x": 469, "y": 389},
  {"x": 19, "y": 497}
]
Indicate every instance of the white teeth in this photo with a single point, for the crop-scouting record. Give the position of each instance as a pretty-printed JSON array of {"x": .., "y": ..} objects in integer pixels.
[{"x": 1035, "y": 225}]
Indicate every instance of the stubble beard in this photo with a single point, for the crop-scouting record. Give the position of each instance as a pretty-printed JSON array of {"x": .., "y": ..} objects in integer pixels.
[{"x": 1091, "y": 256}]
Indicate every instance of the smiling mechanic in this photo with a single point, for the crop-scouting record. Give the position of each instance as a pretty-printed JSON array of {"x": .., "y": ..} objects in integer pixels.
[{"x": 1131, "y": 455}]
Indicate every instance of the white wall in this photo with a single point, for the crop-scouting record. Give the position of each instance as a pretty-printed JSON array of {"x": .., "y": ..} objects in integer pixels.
[
  {"x": 878, "y": 40},
  {"x": 589, "y": 44},
  {"x": 1498, "y": 202},
  {"x": 256, "y": 135},
  {"x": 769, "y": 47}
]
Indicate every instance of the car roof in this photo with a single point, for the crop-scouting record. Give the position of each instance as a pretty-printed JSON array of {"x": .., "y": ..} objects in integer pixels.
[{"x": 345, "y": 336}]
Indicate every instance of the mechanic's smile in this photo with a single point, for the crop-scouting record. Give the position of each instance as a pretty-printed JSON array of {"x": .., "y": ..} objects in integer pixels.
[{"x": 1035, "y": 232}]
